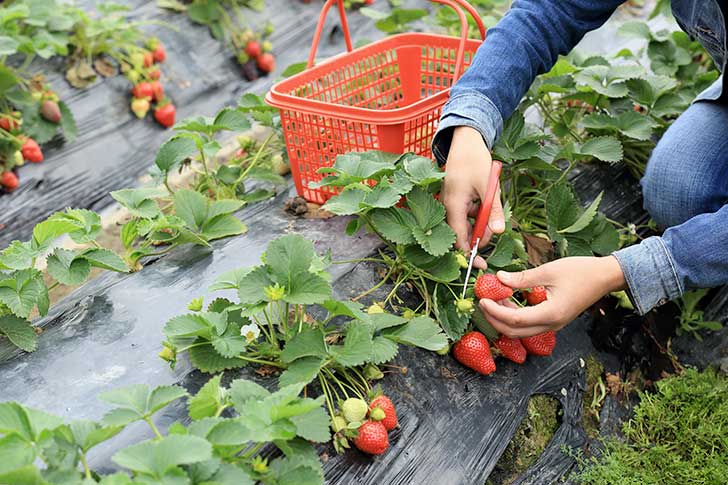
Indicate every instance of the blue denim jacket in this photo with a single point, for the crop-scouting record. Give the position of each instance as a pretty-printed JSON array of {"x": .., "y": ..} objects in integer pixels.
[{"x": 526, "y": 43}]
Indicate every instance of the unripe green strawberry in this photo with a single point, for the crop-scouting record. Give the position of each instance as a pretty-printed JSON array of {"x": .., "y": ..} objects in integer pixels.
[
  {"x": 444, "y": 351},
  {"x": 462, "y": 260},
  {"x": 354, "y": 410},
  {"x": 274, "y": 292},
  {"x": 372, "y": 372},
  {"x": 409, "y": 314},
  {"x": 465, "y": 305},
  {"x": 374, "y": 309}
]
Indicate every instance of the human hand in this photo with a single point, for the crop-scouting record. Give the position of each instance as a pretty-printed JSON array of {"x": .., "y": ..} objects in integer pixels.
[
  {"x": 572, "y": 284},
  {"x": 466, "y": 182}
]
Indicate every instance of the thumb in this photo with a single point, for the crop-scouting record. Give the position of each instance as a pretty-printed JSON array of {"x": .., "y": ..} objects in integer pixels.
[
  {"x": 525, "y": 279},
  {"x": 497, "y": 222}
]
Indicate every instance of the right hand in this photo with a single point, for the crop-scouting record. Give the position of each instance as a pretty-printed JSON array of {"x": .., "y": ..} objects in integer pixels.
[{"x": 465, "y": 184}]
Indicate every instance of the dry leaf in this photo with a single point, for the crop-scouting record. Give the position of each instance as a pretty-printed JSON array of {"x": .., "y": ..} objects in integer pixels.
[
  {"x": 539, "y": 249},
  {"x": 104, "y": 67}
]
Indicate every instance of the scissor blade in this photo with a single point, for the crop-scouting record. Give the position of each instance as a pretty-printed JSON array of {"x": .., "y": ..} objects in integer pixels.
[{"x": 473, "y": 253}]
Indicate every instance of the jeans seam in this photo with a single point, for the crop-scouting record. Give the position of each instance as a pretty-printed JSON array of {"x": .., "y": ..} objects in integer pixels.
[
  {"x": 672, "y": 265},
  {"x": 630, "y": 285}
]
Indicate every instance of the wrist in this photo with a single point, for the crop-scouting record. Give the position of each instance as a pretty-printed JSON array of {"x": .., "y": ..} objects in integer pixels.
[{"x": 612, "y": 274}]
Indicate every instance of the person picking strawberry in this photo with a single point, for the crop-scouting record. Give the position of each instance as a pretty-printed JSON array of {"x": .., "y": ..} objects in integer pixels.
[{"x": 685, "y": 186}]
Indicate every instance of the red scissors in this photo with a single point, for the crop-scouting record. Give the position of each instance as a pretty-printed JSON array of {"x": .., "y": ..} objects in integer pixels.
[{"x": 481, "y": 221}]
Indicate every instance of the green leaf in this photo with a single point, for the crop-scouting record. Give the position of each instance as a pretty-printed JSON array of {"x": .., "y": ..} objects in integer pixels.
[
  {"x": 359, "y": 166},
  {"x": 421, "y": 332},
  {"x": 348, "y": 202},
  {"x": 138, "y": 402},
  {"x": 208, "y": 400},
  {"x": 561, "y": 207},
  {"x": 68, "y": 123},
  {"x": 450, "y": 319},
  {"x": 605, "y": 148},
  {"x": 206, "y": 359},
  {"x": 251, "y": 284},
  {"x": 288, "y": 255},
  {"x": 357, "y": 348},
  {"x": 19, "y": 332},
  {"x": 15, "y": 452},
  {"x": 140, "y": 202},
  {"x": 88, "y": 434},
  {"x": 383, "y": 350},
  {"x": 231, "y": 119},
  {"x": 635, "y": 29},
  {"x": 307, "y": 343},
  {"x": 502, "y": 255},
  {"x": 294, "y": 68},
  {"x": 422, "y": 171},
  {"x": 173, "y": 152},
  {"x": 606, "y": 239},
  {"x": 27, "y": 475},
  {"x": 22, "y": 291},
  {"x": 157, "y": 457},
  {"x": 586, "y": 217},
  {"x": 314, "y": 425},
  {"x": 243, "y": 391},
  {"x": 51, "y": 229},
  {"x": 191, "y": 206},
  {"x": 26, "y": 422},
  {"x": 18, "y": 255},
  {"x": 68, "y": 267},
  {"x": 105, "y": 259},
  {"x": 301, "y": 371},
  {"x": 426, "y": 210},
  {"x": 436, "y": 241},
  {"x": 230, "y": 344},
  {"x": 394, "y": 224}
]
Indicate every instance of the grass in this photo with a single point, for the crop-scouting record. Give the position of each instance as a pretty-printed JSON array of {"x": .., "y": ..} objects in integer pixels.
[{"x": 678, "y": 435}]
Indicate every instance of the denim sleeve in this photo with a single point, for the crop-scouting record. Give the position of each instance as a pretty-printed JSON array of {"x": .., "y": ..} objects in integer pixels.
[
  {"x": 525, "y": 43},
  {"x": 691, "y": 255}
]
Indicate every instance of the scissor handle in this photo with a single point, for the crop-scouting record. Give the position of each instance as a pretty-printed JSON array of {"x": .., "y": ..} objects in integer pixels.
[{"x": 486, "y": 204}]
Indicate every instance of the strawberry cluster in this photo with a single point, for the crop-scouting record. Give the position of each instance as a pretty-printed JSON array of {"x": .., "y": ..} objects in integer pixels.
[
  {"x": 473, "y": 349},
  {"x": 255, "y": 54},
  {"x": 367, "y": 425},
  {"x": 144, "y": 73}
]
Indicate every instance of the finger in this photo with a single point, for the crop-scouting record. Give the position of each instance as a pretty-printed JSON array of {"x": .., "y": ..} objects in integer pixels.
[
  {"x": 480, "y": 263},
  {"x": 539, "y": 276},
  {"x": 457, "y": 218},
  {"x": 516, "y": 332},
  {"x": 497, "y": 223},
  {"x": 533, "y": 316}
]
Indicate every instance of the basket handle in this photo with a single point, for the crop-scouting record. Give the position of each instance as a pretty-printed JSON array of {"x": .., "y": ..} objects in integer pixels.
[{"x": 454, "y": 4}]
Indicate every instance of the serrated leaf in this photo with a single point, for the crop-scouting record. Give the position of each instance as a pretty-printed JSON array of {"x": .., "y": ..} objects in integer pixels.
[
  {"x": 394, "y": 224},
  {"x": 383, "y": 350},
  {"x": 105, "y": 259},
  {"x": 206, "y": 359},
  {"x": 18, "y": 255},
  {"x": 313, "y": 426},
  {"x": 635, "y": 29},
  {"x": 585, "y": 218},
  {"x": 450, "y": 319},
  {"x": 156, "y": 457},
  {"x": 173, "y": 152},
  {"x": 22, "y": 291},
  {"x": 140, "y": 202},
  {"x": 15, "y": 452},
  {"x": 422, "y": 171},
  {"x": 561, "y": 207},
  {"x": 605, "y": 148},
  {"x": 230, "y": 344},
  {"x": 301, "y": 371},
  {"x": 288, "y": 255},
  {"x": 357, "y": 348},
  {"x": 231, "y": 119},
  {"x": 68, "y": 267},
  {"x": 208, "y": 399},
  {"x": 346, "y": 203},
  {"x": 68, "y": 123},
  {"x": 19, "y": 332},
  {"x": 359, "y": 166},
  {"x": 139, "y": 401},
  {"x": 251, "y": 284},
  {"x": 421, "y": 332},
  {"x": 437, "y": 240},
  {"x": 606, "y": 238},
  {"x": 426, "y": 210},
  {"x": 191, "y": 207},
  {"x": 307, "y": 343},
  {"x": 243, "y": 391}
]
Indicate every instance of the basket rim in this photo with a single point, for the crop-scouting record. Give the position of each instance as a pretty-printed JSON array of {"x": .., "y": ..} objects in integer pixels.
[{"x": 278, "y": 96}]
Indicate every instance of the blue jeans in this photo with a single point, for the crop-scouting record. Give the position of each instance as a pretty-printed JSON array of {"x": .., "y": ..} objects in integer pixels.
[{"x": 685, "y": 189}]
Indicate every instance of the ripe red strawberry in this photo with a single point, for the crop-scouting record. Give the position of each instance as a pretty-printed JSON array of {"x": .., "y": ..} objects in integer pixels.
[
  {"x": 140, "y": 107},
  {"x": 473, "y": 352},
  {"x": 266, "y": 62},
  {"x": 390, "y": 414},
  {"x": 50, "y": 111},
  {"x": 143, "y": 90},
  {"x": 372, "y": 438},
  {"x": 511, "y": 349},
  {"x": 165, "y": 114},
  {"x": 536, "y": 295},
  {"x": 9, "y": 180},
  {"x": 253, "y": 49},
  {"x": 9, "y": 122},
  {"x": 157, "y": 91},
  {"x": 31, "y": 151},
  {"x": 159, "y": 54},
  {"x": 148, "y": 59},
  {"x": 155, "y": 74},
  {"x": 542, "y": 344},
  {"x": 489, "y": 286}
]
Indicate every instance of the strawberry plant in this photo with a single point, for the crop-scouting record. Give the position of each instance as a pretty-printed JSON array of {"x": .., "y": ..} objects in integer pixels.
[
  {"x": 24, "y": 288},
  {"x": 272, "y": 324},
  {"x": 265, "y": 437},
  {"x": 226, "y": 21}
]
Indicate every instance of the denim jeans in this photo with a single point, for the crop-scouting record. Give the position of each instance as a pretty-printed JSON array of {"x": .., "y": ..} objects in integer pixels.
[{"x": 685, "y": 189}]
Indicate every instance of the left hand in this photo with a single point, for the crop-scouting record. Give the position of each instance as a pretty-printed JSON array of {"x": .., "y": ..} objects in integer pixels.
[{"x": 572, "y": 284}]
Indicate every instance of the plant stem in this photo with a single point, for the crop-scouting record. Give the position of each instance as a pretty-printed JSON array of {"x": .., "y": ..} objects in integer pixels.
[
  {"x": 86, "y": 469},
  {"x": 154, "y": 428},
  {"x": 261, "y": 361}
]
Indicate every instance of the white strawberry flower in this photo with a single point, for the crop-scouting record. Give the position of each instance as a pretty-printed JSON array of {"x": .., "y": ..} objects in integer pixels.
[{"x": 250, "y": 332}]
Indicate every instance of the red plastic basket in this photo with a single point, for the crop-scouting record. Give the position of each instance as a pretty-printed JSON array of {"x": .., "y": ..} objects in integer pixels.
[{"x": 385, "y": 96}]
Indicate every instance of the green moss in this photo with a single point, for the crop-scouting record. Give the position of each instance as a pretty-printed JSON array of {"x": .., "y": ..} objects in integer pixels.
[
  {"x": 677, "y": 435},
  {"x": 593, "y": 397},
  {"x": 531, "y": 438}
]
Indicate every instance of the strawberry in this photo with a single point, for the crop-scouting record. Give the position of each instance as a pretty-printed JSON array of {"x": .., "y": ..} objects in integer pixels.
[
  {"x": 390, "y": 414},
  {"x": 266, "y": 62},
  {"x": 473, "y": 351},
  {"x": 165, "y": 114},
  {"x": 50, "y": 111},
  {"x": 253, "y": 49},
  {"x": 9, "y": 122},
  {"x": 354, "y": 410},
  {"x": 489, "y": 286},
  {"x": 536, "y": 295},
  {"x": 148, "y": 59},
  {"x": 372, "y": 438},
  {"x": 31, "y": 151},
  {"x": 143, "y": 90},
  {"x": 155, "y": 74},
  {"x": 159, "y": 54},
  {"x": 140, "y": 107},
  {"x": 157, "y": 91},
  {"x": 511, "y": 349},
  {"x": 542, "y": 344},
  {"x": 9, "y": 180}
]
